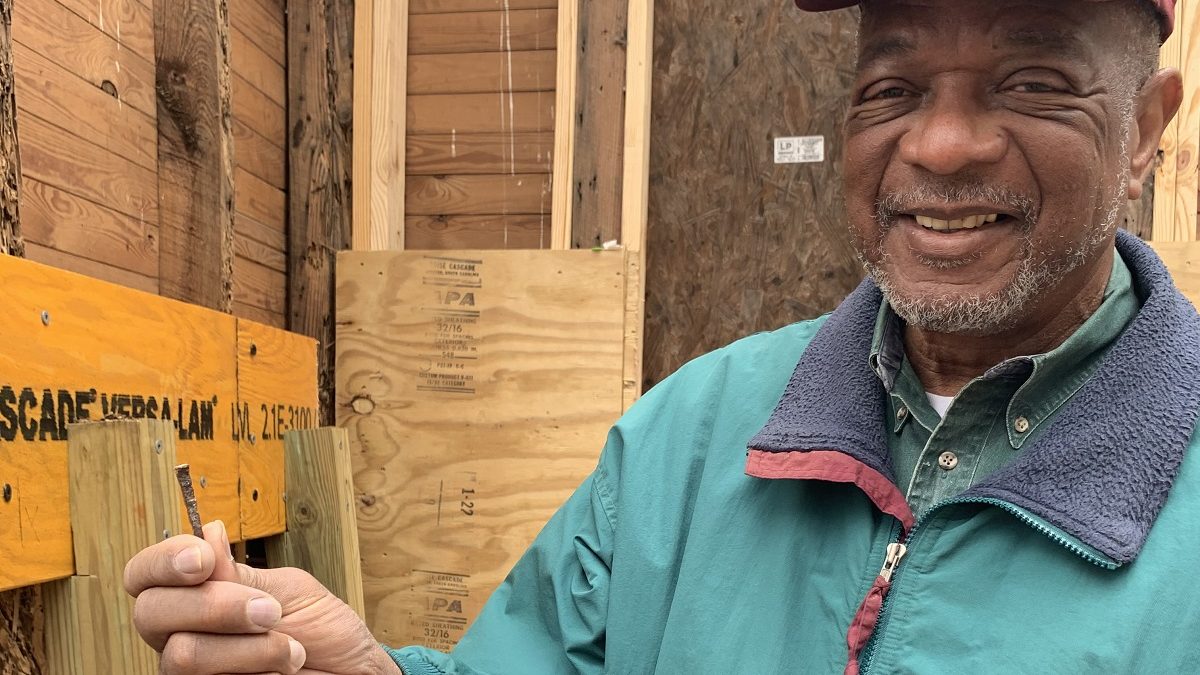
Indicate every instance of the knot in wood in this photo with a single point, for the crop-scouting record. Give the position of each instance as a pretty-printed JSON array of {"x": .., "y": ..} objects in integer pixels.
[{"x": 363, "y": 404}]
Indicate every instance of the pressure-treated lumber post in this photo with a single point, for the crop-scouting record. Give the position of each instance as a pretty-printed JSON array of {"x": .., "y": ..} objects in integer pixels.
[
  {"x": 123, "y": 499},
  {"x": 195, "y": 151},
  {"x": 322, "y": 534}
]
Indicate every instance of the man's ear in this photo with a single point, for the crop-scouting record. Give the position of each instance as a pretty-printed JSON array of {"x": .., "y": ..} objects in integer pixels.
[{"x": 1157, "y": 104}]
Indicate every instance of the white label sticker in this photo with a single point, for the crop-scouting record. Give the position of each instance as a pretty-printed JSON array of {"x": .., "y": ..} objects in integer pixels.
[{"x": 799, "y": 149}]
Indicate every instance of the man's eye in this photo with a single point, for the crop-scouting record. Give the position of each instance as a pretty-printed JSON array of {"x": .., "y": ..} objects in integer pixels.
[
  {"x": 889, "y": 92},
  {"x": 1034, "y": 88}
]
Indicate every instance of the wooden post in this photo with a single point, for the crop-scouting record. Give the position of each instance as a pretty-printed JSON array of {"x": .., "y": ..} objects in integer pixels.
[
  {"x": 320, "y": 111},
  {"x": 123, "y": 499},
  {"x": 11, "y": 242},
  {"x": 562, "y": 183},
  {"x": 380, "y": 123},
  {"x": 322, "y": 534},
  {"x": 195, "y": 151}
]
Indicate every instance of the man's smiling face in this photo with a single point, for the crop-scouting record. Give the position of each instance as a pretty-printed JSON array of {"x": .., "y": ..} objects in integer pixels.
[{"x": 988, "y": 152}]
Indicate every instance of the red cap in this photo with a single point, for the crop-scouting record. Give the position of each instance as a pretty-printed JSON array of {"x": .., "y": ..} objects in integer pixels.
[{"x": 1166, "y": 10}]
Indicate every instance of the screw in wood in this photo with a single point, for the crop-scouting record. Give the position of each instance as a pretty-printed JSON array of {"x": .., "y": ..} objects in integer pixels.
[
  {"x": 158, "y": 446},
  {"x": 184, "y": 474},
  {"x": 7, "y": 493},
  {"x": 45, "y": 318}
]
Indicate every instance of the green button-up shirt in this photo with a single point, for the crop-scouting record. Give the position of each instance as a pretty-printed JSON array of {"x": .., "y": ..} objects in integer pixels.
[{"x": 996, "y": 414}]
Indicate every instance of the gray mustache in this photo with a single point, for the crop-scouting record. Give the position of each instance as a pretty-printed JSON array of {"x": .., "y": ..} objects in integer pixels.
[{"x": 893, "y": 203}]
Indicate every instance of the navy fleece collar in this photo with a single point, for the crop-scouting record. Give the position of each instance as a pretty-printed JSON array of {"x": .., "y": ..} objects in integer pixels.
[{"x": 1101, "y": 472}]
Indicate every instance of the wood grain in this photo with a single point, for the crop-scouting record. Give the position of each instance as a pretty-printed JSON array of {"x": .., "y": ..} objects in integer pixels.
[
  {"x": 56, "y": 157},
  {"x": 471, "y": 113},
  {"x": 195, "y": 151},
  {"x": 1182, "y": 258},
  {"x": 267, "y": 235},
  {"x": 322, "y": 533},
  {"x": 258, "y": 156},
  {"x": 463, "y": 32},
  {"x": 67, "y": 223},
  {"x": 11, "y": 241},
  {"x": 257, "y": 111},
  {"x": 481, "y": 72},
  {"x": 259, "y": 69},
  {"x": 477, "y": 232},
  {"x": 260, "y": 201},
  {"x": 599, "y": 124},
  {"x": 565, "y": 115},
  {"x": 440, "y": 154},
  {"x": 91, "y": 268},
  {"x": 262, "y": 25},
  {"x": 277, "y": 374},
  {"x": 129, "y": 22},
  {"x": 52, "y": 93},
  {"x": 475, "y": 195},
  {"x": 258, "y": 315},
  {"x": 67, "y": 39},
  {"x": 1176, "y": 182},
  {"x": 320, "y": 212},
  {"x": 247, "y": 247},
  {"x": 446, "y": 6},
  {"x": 415, "y": 360},
  {"x": 258, "y": 285},
  {"x": 736, "y": 243}
]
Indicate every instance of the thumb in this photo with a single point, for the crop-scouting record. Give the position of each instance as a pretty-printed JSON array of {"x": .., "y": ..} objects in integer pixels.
[{"x": 217, "y": 537}]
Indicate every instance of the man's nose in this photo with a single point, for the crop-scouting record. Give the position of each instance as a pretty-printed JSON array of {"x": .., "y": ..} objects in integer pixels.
[{"x": 953, "y": 132}]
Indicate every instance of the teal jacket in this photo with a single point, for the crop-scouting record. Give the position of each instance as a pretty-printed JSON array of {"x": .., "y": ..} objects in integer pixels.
[{"x": 742, "y": 511}]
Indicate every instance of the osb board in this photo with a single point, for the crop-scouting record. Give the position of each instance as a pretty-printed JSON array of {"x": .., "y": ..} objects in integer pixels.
[
  {"x": 1183, "y": 259},
  {"x": 477, "y": 388},
  {"x": 735, "y": 242},
  {"x": 78, "y": 348},
  {"x": 277, "y": 375}
]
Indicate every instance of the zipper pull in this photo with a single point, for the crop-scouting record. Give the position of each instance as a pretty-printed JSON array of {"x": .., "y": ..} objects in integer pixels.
[{"x": 894, "y": 553}]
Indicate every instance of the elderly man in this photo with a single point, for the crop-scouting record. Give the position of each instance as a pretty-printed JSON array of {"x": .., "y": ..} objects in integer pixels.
[{"x": 982, "y": 468}]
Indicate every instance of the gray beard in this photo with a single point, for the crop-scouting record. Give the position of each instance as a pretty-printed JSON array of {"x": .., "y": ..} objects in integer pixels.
[{"x": 982, "y": 314}]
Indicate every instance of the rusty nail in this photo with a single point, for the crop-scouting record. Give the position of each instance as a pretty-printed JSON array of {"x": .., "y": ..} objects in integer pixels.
[{"x": 203, "y": 482}]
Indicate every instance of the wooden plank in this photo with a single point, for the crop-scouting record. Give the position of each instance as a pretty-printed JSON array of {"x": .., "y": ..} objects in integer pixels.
[
  {"x": 276, "y": 376},
  {"x": 56, "y": 157},
  {"x": 260, "y": 201},
  {"x": 261, "y": 25},
  {"x": 195, "y": 151},
  {"x": 123, "y": 498},
  {"x": 77, "y": 626},
  {"x": 565, "y": 100},
  {"x": 11, "y": 241},
  {"x": 257, "y": 111},
  {"x": 524, "y": 193},
  {"x": 447, "y": 6},
  {"x": 67, "y": 39},
  {"x": 459, "y": 32},
  {"x": 259, "y": 315},
  {"x": 380, "y": 114},
  {"x": 252, "y": 63},
  {"x": 599, "y": 122},
  {"x": 260, "y": 286},
  {"x": 129, "y": 22},
  {"x": 91, "y": 268},
  {"x": 537, "y": 372},
  {"x": 635, "y": 187},
  {"x": 102, "y": 350},
  {"x": 481, "y": 72},
  {"x": 266, "y": 235},
  {"x": 477, "y": 232},
  {"x": 472, "y": 113},
  {"x": 1166, "y": 225},
  {"x": 1182, "y": 258},
  {"x": 322, "y": 535},
  {"x": 320, "y": 212},
  {"x": 258, "y": 156},
  {"x": 244, "y": 246},
  {"x": 52, "y": 93},
  {"x": 440, "y": 154},
  {"x": 67, "y": 223}
]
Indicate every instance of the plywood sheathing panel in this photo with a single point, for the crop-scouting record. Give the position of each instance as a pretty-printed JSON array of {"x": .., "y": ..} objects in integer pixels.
[
  {"x": 1176, "y": 174},
  {"x": 736, "y": 243},
  {"x": 478, "y": 388}
]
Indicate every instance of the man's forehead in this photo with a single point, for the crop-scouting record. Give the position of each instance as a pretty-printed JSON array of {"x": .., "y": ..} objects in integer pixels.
[{"x": 1165, "y": 9}]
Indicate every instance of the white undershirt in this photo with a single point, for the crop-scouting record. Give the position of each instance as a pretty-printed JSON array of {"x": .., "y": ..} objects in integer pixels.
[{"x": 940, "y": 403}]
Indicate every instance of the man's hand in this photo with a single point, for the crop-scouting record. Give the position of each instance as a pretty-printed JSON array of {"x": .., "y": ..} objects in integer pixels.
[{"x": 205, "y": 614}]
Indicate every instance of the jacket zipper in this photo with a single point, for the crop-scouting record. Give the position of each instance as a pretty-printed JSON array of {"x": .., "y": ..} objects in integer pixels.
[{"x": 1039, "y": 525}]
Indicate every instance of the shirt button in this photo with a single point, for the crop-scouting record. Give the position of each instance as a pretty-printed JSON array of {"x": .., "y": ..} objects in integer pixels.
[
  {"x": 901, "y": 414},
  {"x": 948, "y": 460},
  {"x": 1021, "y": 425}
]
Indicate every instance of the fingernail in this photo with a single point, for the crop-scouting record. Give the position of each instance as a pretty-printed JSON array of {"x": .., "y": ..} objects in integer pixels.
[
  {"x": 298, "y": 656},
  {"x": 264, "y": 612},
  {"x": 225, "y": 541},
  {"x": 189, "y": 560}
]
